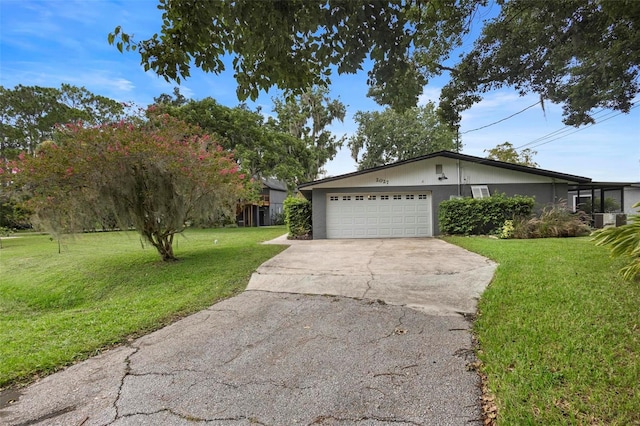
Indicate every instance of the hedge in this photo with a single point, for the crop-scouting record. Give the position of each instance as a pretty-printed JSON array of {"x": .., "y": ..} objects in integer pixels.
[
  {"x": 481, "y": 216},
  {"x": 297, "y": 217}
]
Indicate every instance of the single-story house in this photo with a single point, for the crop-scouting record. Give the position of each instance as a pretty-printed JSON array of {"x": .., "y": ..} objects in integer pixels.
[
  {"x": 268, "y": 209},
  {"x": 402, "y": 199},
  {"x": 605, "y": 197}
]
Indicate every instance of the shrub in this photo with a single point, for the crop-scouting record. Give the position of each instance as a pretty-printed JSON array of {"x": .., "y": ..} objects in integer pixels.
[
  {"x": 554, "y": 221},
  {"x": 297, "y": 217},
  {"x": 610, "y": 205},
  {"x": 277, "y": 219},
  {"x": 473, "y": 216},
  {"x": 507, "y": 229}
]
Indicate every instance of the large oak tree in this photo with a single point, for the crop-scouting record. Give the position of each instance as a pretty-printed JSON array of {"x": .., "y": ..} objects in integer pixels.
[
  {"x": 389, "y": 136},
  {"x": 581, "y": 53},
  {"x": 29, "y": 114},
  {"x": 297, "y": 44},
  {"x": 261, "y": 148}
]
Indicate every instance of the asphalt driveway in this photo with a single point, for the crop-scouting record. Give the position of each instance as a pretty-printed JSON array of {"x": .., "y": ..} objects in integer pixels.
[{"x": 289, "y": 352}]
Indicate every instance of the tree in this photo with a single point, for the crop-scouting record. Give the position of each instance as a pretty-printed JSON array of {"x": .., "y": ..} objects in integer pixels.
[
  {"x": 507, "y": 153},
  {"x": 29, "y": 114},
  {"x": 177, "y": 100},
  {"x": 260, "y": 148},
  {"x": 390, "y": 136},
  {"x": 295, "y": 44},
  {"x": 306, "y": 117},
  {"x": 154, "y": 176},
  {"x": 582, "y": 53}
]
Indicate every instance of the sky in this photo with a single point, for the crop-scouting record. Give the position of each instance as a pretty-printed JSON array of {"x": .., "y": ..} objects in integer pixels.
[{"x": 51, "y": 42}]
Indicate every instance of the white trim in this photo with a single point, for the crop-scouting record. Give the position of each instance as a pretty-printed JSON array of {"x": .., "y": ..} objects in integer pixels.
[{"x": 480, "y": 191}]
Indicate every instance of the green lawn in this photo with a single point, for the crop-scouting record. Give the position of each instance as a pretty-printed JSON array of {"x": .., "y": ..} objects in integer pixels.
[
  {"x": 559, "y": 333},
  {"x": 103, "y": 288}
]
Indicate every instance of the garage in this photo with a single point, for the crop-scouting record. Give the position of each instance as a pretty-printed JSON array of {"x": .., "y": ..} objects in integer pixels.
[
  {"x": 379, "y": 215},
  {"x": 403, "y": 199}
]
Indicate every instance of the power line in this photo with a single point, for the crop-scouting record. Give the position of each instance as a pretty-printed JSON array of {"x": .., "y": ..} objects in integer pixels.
[
  {"x": 500, "y": 121},
  {"x": 580, "y": 129},
  {"x": 559, "y": 131}
]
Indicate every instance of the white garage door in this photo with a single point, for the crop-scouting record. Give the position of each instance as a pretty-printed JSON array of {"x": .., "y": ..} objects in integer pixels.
[{"x": 379, "y": 215}]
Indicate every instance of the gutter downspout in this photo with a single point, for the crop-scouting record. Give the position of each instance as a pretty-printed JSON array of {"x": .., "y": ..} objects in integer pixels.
[
  {"x": 459, "y": 178},
  {"x": 458, "y": 161}
]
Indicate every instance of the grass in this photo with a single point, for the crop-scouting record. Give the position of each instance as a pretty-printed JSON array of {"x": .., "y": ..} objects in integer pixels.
[
  {"x": 558, "y": 333},
  {"x": 103, "y": 288}
]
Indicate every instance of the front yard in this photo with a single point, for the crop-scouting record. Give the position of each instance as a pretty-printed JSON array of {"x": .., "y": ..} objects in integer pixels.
[
  {"x": 559, "y": 333},
  {"x": 558, "y": 329},
  {"x": 103, "y": 288}
]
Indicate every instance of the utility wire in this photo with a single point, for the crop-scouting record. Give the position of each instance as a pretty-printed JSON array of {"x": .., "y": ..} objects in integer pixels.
[
  {"x": 500, "y": 121},
  {"x": 560, "y": 131},
  {"x": 580, "y": 129}
]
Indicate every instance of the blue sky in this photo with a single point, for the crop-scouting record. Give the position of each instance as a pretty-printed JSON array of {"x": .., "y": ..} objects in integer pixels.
[{"x": 50, "y": 42}]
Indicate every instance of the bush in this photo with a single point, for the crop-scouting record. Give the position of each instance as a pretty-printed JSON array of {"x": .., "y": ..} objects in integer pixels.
[
  {"x": 297, "y": 217},
  {"x": 554, "y": 221},
  {"x": 13, "y": 215},
  {"x": 277, "y": 219},
  {"x": 473, "y": 216}
]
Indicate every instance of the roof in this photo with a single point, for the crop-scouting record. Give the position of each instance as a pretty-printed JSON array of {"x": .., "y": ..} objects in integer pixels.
[
  {"x": 462, "y": 157},
  {"x": 604, "y": 185},
  {"x": 276, "y": 184}
]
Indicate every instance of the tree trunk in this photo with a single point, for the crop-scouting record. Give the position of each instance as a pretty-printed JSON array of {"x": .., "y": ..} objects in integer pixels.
[
  {"x": 163, "y": 242},
  {"x": 165, "y": 248}
]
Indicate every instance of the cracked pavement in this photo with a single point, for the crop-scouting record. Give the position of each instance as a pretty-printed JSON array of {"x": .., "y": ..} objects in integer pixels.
[
  {"x": 273, "y": 358},
  {"x": 427, "y": 274}
]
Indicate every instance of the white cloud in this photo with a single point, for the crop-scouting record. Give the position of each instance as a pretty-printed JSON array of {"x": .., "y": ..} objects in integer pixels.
[{"x": 429, "y": 94}]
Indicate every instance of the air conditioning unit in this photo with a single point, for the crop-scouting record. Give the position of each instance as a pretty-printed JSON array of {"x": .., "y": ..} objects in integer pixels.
[{"x": 603, "y": 220}]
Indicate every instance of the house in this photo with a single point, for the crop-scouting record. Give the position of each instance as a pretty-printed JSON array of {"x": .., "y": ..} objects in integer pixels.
[
  {"x": 605, "y": 197},
  {"x": 402, "y": 199},
  {"x": 268, "y": 210},
  {"x": 609, "y": 203}
]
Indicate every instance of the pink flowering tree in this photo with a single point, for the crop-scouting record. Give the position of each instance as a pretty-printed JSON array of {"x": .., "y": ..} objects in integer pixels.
[{"x": 155, "y": 176}]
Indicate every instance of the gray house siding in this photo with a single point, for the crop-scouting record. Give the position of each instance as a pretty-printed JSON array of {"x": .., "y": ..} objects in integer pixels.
[
  {"x": 276, "y": 200},
  {"x": 444, "y": 175},
  {"x": 544, "y": 194}
]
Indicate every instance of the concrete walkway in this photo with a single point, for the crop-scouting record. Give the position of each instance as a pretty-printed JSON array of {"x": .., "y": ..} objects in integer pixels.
[
  {"x": 427, "y": 274},
  {"x": 274, "y": 358}
]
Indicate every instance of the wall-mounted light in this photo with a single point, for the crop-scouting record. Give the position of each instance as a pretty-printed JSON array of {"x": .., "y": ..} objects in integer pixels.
[{"x": 442, "y": 177}]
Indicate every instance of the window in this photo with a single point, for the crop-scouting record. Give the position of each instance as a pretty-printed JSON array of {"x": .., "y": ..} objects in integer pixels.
[
  {"x": 422, "y": 197},
  {"x": 438, "y": 169},
  {"x": 334, "y": 198},
  {"x": 384, "y": 197},
  {"x": 408, "y": 197},
  {"x": 346, "y": 198},
  {"x": 480, "y": 191},
  {"x": 371, "y": 197},
  {"x": 359, "y": 197},
  {"x": 397, "y": 197}
]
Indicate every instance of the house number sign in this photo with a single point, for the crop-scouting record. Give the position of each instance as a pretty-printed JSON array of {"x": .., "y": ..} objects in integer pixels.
[{"x": 384, "y": 181}]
